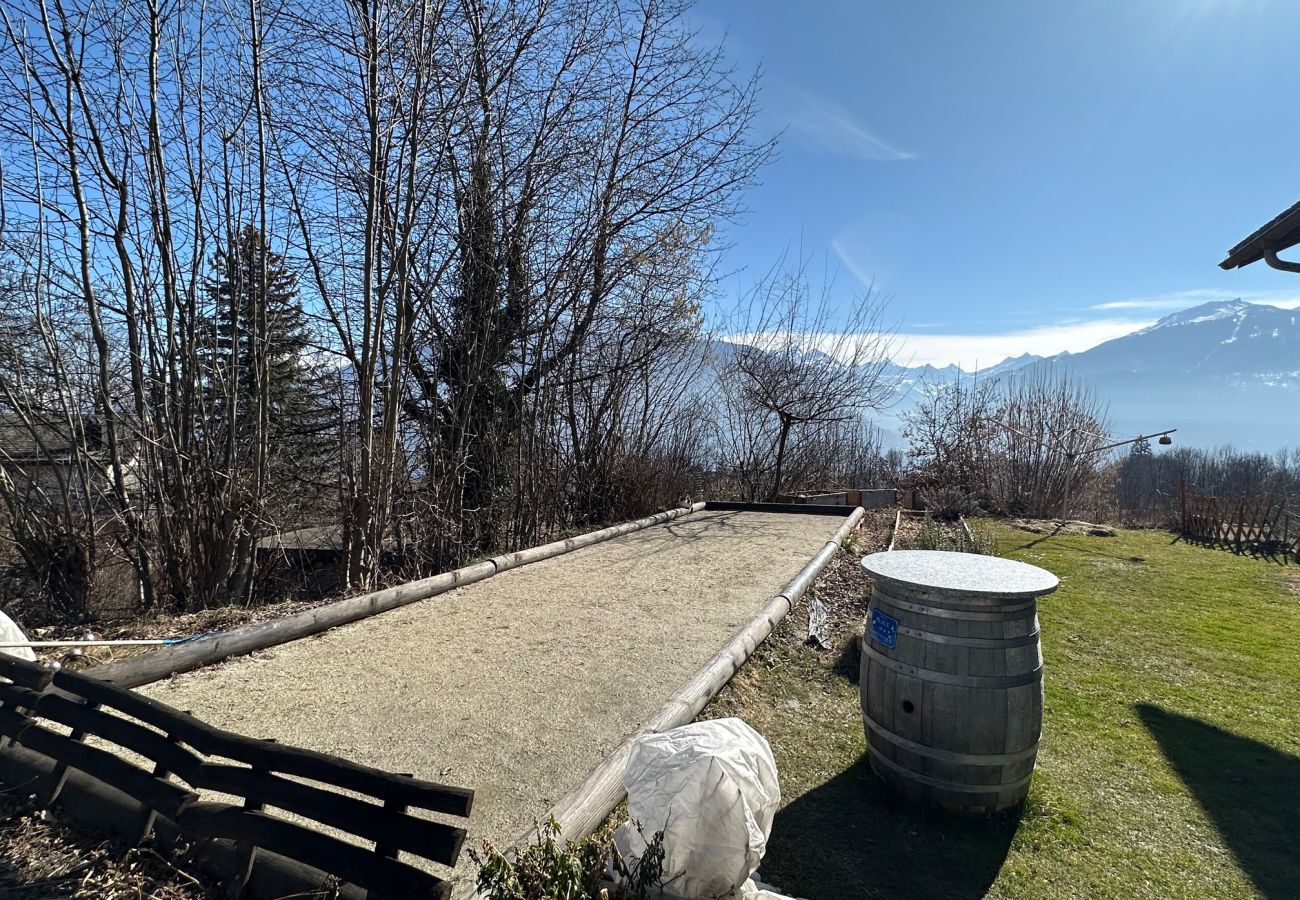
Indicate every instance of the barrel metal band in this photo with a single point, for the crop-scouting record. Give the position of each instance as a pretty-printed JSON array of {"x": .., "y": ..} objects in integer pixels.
[
  {"x": 945, "y": 613},
  {"x": 937, "y": 677},
  {"x": 948, "y": 756},
  {"x": 995, "y": 643},
  {"x": 947, "y": 785}
]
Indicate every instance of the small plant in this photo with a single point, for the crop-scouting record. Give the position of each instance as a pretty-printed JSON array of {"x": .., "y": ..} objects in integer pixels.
[
  {"x": 545, "y": 870},
  {"x": 853, "y": 543},
  {"x": 933, "y": 536},
  {"x": 980, "y": 539},
  {"x": 960, "y": 536},
  {"x": 640, "y": 881}
]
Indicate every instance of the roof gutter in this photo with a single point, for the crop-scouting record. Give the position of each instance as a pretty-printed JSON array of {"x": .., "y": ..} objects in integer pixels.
[{"x": 1270, "y": 257}]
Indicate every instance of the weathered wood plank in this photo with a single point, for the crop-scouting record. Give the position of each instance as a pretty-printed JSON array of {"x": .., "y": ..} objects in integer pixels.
[
  {"x": 286, "y": 760},
  {"x": 433, "y": 840},
  {"x": 169, "y": 799},
  {"x": 357, "y": 865},
  {"x": 136, "y": 738}
]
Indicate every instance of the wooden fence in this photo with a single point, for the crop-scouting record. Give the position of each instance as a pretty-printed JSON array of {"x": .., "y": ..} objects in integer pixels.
[
  {"x": 1258, "y": 522},
  {"x": 264, "y": 774}
]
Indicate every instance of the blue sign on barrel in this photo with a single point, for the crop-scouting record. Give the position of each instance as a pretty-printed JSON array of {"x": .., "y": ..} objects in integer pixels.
[{"x": 884, "y": 628}]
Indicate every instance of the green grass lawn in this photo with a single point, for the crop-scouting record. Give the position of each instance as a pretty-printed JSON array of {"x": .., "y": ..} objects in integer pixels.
[{"x": 1169, "y": 763}]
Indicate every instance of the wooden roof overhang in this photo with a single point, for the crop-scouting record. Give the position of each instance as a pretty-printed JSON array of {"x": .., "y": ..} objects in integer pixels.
[{"x": 1282, "y": 233}]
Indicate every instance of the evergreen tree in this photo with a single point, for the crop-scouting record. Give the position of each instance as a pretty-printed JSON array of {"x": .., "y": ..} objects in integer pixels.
[{"x": 257, "y": 331}]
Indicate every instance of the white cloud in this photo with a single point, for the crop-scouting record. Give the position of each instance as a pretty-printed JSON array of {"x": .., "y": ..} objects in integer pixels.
[
  {"x": 980, "y": 351},
  {"x": 828, "y": 127},
  {"x": 1185, "y": 299},
  {"x": 973, "y": 351}
]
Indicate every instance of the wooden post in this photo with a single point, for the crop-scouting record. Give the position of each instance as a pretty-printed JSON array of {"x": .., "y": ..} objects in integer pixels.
[
  {"x": 59, "y": 774},
  {"x": 245, "y": 851},
  {"x": 148, "y": 814},
  {"x": 1182, "y": 502},
  {"x": 1069, "y": 473},
  {"x": 381, "y": 850}
]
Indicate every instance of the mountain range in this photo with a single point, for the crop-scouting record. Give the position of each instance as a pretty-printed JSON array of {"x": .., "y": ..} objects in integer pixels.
[{"x": 1223, "y": 372}]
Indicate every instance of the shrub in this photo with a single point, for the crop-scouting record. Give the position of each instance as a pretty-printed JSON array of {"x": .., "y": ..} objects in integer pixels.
[
  {"x": 961, "y": 538},
  {"x": 949, "y": 503},
  {"x": 547, "y": 871}
]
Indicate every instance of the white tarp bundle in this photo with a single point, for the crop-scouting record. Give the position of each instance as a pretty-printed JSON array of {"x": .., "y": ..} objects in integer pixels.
[
  {"x": 711, "y": 787},
  {"x": 10, "y": 633}
]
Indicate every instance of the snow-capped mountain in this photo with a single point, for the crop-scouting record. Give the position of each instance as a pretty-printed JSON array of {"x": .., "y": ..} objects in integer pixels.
[
  {"x": 1011, "y": 363},
  {"x": 1222, "y": 372},
  {"x": 1231, "y": 338}
]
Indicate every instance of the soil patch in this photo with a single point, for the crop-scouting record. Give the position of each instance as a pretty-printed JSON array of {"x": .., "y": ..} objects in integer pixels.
[
  {"x": 1053, "y": 527},
  {"x": 41, "y": 858},
  {"x": 161, "y": 627}
]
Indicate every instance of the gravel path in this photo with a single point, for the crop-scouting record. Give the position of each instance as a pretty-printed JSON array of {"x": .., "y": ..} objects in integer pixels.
[{"x": 518, "y": 685}]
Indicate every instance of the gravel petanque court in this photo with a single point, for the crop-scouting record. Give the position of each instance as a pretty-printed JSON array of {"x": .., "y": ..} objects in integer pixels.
[{"x": 516, "y": 686}]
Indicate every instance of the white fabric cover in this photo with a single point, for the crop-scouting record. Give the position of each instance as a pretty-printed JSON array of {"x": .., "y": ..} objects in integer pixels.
[
  {"x": 711, "y": 787},
  {"x": 10, "y": 632}
]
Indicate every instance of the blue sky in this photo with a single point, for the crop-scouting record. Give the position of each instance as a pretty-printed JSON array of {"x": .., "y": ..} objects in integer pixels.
[{"x": 1020, "y": 176}]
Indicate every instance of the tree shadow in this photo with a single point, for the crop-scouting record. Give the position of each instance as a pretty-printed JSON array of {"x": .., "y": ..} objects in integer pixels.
[
  {"x": 1275, "y": 552},
  {"x": 1043, "y": 536},
  {"x": 1249, "y": 791},
  {"x": 1090, "y": 550},
  {"x": 853, "y": 837}
]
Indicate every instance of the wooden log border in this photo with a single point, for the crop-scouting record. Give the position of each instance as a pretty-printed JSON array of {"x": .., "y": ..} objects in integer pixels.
[
  {"x": 189, "y": 755},
  {"x": 159, "y": 664},
  {"x": 582, "y": 810},
  {"x": 965, "y": 527},
  {"x": 173, "y": 660},
  {"x": 816, "y": 509},
  {"x": 893, "y": 531}
]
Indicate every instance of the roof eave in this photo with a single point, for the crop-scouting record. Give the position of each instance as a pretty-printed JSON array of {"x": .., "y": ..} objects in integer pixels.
[{"x": 1280, "y": 233}]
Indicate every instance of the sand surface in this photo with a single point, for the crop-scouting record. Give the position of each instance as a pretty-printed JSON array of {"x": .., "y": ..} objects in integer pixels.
[{"x": 516, "y": 686}]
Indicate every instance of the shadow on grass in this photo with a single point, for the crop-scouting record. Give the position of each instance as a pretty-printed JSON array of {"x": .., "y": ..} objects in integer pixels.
[
  {"x": 1272, "y": 551},
  {"x": 848, "y": 661},
  {"x": 854, "y": 838},
  {"x": 1249, "y": 791},
  {"x": 1088, "y": 550}
]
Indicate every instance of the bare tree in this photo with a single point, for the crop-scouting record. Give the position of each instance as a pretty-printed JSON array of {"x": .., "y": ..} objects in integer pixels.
[
  {"x": 951, "y": 432},
  {"x": 801, "y": 363},
  {"x": 596, "y": 149},
  {"x": 1015, "y": 445},
  {"x": 500, "y": 219}
]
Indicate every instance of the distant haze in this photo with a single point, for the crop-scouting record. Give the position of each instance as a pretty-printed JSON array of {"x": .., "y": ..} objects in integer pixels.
[{"x": 1221, "y": 372}]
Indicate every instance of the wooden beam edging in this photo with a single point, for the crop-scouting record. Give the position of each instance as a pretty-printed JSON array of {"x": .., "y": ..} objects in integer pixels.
[
  {"x": 965, "y": 527},
  {"x": 178, "y": 658},
  {"x": 585, "y": 807},
  {"x": 815, "y": 509},
  {"x": 893, "y": 533}
]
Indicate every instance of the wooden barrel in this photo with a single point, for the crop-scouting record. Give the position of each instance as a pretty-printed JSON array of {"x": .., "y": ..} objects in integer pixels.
[{"x": 952, "y": 676}]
